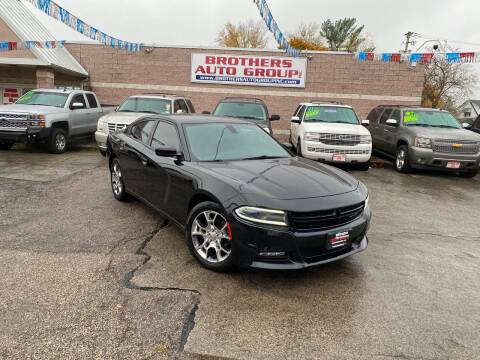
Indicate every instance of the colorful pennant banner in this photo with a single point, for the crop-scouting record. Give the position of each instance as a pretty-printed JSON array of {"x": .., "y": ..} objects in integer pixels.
[
  {"x": 55, "y": 11},
  {"x": 273, "y": 27},
  {"x": 19, "y": 45},
  {"x": 420, "y": 58}
]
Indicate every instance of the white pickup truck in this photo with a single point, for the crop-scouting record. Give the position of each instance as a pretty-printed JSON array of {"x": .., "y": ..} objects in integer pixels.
[{"x": 49, "y": 116}]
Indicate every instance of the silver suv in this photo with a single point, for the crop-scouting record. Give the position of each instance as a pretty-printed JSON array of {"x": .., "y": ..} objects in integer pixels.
[{"x": 423, "y": 138}]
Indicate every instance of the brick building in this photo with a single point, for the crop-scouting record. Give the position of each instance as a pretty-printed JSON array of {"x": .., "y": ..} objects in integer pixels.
[{"x": 115, "y": 74}]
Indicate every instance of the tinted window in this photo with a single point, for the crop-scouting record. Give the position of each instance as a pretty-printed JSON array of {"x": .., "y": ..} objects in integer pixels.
[
  {"x": 374, "y": 115},
  {"x": 79, "y": 98},
  {"x": 301, "y": 112},
  {"x": 244, "y": 110},
  {"x": 146, "y": 105},
  {"x": 142, "y": 131},
  {"x": 223, "y": 142},
  {"x": 166, "y": 136},
  {"x": 92, "y": 101},
  {"x": 396, "y": 115},
  {"x": 180, "y": 105},
  {"x": 385, "y": 116},
  {"x": 297, "y": 110},
  {"x": 190, "y": 105}
]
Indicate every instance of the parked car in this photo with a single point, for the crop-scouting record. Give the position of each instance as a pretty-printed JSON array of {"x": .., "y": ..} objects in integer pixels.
[
  {"x": 332, "y": 132},
  {"x": 50, "y": 116},
  {"x": 253, "y": 110},
  {"x": 137, "y": 106},
  {"x": 475, "y": 127},
  {"x": 241, "y": 198},
  {"x": 422, "y": 138}
]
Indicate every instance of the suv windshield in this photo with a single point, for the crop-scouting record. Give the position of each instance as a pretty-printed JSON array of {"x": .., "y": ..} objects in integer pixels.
[
  {"x": 330, "y": 114},
  {"x": 227, "y": 142},
  {"x": 245, "y": 110},
  {"x": 430, "y": 118},
  {"x": 145, "y": 105},
  {"x": 43, "y": 98}
]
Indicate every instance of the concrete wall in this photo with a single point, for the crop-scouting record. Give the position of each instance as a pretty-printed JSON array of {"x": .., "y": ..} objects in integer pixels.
[{"x": 117, "y": 74}]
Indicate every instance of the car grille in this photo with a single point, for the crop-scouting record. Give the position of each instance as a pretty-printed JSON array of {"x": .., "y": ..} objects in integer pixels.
[
  {"x": 456, "y": 147},
  {"x": 339, "y": 151},
  {"x": 12, "y": 121},
  {"x": 325, "y": 219},
  {"x": 343, "y": 139},
  {"x": 112, "y": 127}
]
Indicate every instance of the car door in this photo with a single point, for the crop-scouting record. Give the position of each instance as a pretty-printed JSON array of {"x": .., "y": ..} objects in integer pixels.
[
  {"x": 134, "y": 157},
  {"x": 380, "y": 138},
  {"x": 391, "y": 132},
  {"x": 171, "y": 186},
  {"x": 79, "y": 117},
  {"x": 93, "y": 112},
  {"x": 294, "y": 125}
]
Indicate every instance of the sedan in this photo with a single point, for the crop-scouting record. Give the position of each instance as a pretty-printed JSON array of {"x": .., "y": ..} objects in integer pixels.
[{"x": 241, "y": 198}]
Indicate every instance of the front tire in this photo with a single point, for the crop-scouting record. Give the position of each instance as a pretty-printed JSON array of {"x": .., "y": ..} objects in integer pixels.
[
  {"x": 116, "y": 180},
  {"x": 402, "y": 160},
  {"x": 58, "y": 141},
  {"x": 209, "y": 238},
  {"x": 6, "y": 145}
]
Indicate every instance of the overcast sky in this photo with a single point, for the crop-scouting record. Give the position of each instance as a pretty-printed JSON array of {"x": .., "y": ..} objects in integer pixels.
[{"x": 196, "y": 22}]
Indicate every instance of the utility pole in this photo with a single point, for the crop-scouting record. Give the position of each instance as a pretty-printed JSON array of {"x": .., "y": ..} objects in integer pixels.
[{"x": 409, "y": 42}]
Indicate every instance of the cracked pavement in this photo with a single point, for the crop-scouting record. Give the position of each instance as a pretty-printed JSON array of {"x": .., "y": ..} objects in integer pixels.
[{"x": 85, "y": 276}]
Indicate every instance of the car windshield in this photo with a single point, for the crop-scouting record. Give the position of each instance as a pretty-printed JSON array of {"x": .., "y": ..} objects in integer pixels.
[
  {"x": 330, "y": 114},
  {"x": 244, "y": 110},
  {"x": 43, "y": 98},
  {"x": 230, "y": 142},
  {"x": 146, "y": 105},
  {"x": 430, "y": 118}
]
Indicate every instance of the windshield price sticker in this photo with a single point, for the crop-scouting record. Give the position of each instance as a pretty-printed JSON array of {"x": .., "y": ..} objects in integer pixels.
[
  {"x": 312, "y": 112},
  {"x": 411, "y": 116}
]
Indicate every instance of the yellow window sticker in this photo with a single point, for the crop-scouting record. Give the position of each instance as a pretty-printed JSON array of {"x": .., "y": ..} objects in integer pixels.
[
  {"x": 312, "y": 112},
  {"x": 411, "y": 116}
]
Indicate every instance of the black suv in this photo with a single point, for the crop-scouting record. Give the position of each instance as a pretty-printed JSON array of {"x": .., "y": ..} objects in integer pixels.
[{"x": 252, "y": 110}]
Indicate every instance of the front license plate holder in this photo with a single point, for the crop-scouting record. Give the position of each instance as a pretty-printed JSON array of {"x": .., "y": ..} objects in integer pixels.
[
  {"x": 339, "y": 239},
  {"x": 339, "y": 158},
  {"x": 454, "y": 165}
]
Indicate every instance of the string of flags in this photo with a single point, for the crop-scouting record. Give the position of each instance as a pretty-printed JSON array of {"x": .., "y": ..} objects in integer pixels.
[
  {"x": 19, "y": 45},
  {"x": 420, "y": 58},
  {"x": 267, "y": 16},
  {"x": 52, "y": 9}
]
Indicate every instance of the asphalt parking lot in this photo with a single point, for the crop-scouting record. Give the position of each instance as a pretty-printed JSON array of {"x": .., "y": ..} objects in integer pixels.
[{"x": 85, "y": 276}]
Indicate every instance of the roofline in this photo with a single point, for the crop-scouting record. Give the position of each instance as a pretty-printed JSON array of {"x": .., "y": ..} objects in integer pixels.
[{"x": 23, "y": 61}]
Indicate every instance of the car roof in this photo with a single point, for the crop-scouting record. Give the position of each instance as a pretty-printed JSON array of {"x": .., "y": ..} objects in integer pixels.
[
  {"x": 410, "y": 107},
  {"x": 158, "y": 96},
  {"x": 198, "y": 119}
]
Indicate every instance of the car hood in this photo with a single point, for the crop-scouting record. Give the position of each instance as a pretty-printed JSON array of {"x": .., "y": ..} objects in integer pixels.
[
  {"x": 334, "y": 128},
  {"x": 31, "y": 109},
  {"x": 444, "y": 133},
  {"x": 283, "y": 179},
  {"x": 122, "y": 117}
]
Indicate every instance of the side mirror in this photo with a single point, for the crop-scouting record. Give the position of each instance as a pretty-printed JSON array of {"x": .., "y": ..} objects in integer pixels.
[
  {"x": 77, "y": 105},
  {"x": 392, "y": 122},
  {"x": 274, "y": 117},
  {"x": 166, "y": 152},
  {"x": 296, "y": 120},
  {"x": 466, "y": 125},
  {"x": 365, "y": 122},
  {"x": 179, "y": 111},
  {"x": 206, "y": 112}
]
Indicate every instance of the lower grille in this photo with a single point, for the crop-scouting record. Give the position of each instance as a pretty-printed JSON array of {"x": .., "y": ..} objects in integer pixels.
[
  {"x": 338, "y": 151},
  {"x": 325, "y": 219},
  {"x": 456, "y": 147},
  {"x": 113, "y": 127}
]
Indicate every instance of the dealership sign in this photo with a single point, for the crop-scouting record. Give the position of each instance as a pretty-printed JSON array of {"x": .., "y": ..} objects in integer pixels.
[{"x": 248, "y": 70}]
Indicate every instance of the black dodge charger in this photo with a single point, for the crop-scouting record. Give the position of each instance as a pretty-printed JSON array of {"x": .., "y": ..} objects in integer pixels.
[{"x": 240, "y": 196}]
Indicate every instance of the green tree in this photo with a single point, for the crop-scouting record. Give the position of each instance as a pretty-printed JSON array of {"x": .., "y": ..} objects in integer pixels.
[{"x": 344, "y": 35}]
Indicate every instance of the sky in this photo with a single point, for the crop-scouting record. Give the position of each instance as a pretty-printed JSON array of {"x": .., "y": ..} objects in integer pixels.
[{"x": 197, "y": 22}]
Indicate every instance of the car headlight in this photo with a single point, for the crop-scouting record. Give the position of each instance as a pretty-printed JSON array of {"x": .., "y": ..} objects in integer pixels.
[
  {"x": 309, "y": 136},
  {"x": 262, "y": 216},
  {"x": 37, "y": 120},
  {"x": 101, "y": 125},
  {"x": 423, "y": 143}
]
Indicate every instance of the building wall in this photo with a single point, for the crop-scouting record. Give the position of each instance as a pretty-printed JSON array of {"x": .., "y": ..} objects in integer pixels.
[
  {"x": 116, "y": 74},
  {"x": 8, "y": 35}
]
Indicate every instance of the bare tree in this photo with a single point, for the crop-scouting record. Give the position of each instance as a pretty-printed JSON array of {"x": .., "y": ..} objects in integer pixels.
[
  {"x": 249, "y": 34},
  {"x": 446, "y": 84}
]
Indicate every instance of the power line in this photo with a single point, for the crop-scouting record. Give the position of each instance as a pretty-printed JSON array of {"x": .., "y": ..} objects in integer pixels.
[{"x": 445, "y": 39}]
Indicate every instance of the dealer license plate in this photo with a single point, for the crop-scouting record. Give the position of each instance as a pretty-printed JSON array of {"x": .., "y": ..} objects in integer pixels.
[
  {"x": 339, "y": 158},
  {"x": 453, "y": 165},
  {"x": 339, "y": 240}
]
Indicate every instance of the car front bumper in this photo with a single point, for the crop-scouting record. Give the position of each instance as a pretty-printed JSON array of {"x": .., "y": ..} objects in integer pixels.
[
  {"x": 32, "y": 134},
  {"x": 427, "y": 159},
  {"x": 353, "y": 154},
  {"x": 101, "y": 139},
  {"x": 289, "y": 249}
]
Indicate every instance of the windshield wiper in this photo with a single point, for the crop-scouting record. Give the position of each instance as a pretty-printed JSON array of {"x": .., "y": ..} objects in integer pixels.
[
  {"x": 427, "y": 125},
  {"x": 263, "y": 157},
  {"x": 445, "y": 126}
]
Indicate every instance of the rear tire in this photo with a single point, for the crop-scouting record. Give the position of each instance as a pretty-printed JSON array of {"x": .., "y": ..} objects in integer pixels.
[
  {"x": 6, "y": 145},
  {"x": 208, "y": 237},
  {"x": 58, "y": 141},
  {"x": 116, "y": 180},
  {"x": 402, "y": 160},
  {"x": 470, "y": 173}
]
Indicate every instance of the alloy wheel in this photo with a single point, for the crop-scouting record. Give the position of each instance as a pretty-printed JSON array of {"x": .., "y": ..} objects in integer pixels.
[
  {"x": 117, "y": 185},
  {"x": 60, "y": 142},
  {"x": 400, "y": 159},
  {"x": 210, "y": 237}
]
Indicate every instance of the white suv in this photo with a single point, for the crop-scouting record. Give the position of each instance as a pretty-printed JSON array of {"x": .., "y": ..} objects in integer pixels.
[{"x": 332, "y": 132}]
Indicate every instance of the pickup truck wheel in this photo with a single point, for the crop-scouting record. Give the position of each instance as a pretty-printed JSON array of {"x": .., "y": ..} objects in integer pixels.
[
  {"x": 402, "y": 161},
  {"x": 4, "y": 145},
  {"x": 470, "y": 173},
  {"x": 118, "y": 186},
  {"x": 57, "y": 143}
]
